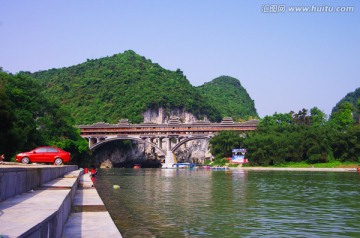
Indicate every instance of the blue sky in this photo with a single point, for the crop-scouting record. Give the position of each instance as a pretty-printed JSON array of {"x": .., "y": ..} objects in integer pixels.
[{"x": 285, "y": 60}]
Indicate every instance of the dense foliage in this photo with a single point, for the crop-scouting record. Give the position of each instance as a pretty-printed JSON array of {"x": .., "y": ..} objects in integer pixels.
[
  {"x": 28, "y": 119},
  {"x": 353, "y": 100},
  {"x": 222, "y": 144},
  {"x": 121, "y": 86},
  {"x": 228, "y": 96},
  {"x": 300, "y": 137}
]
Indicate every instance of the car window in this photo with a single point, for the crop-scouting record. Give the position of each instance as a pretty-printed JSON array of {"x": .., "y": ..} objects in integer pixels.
[
  {"x": 41, "y": 150},
  {"x": 52, "y": 150}
]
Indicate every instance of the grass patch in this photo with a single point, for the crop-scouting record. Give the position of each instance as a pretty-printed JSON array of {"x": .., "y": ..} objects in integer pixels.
[
  {"x": 293, "y": 165},
  {"x": 219, "y": 162},
  {"x": 337, "y": 164},
  {"x": 332, "y": 164}
]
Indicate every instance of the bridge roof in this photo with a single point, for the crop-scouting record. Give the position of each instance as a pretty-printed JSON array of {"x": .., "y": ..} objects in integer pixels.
[{"x": 224, "y": 123}]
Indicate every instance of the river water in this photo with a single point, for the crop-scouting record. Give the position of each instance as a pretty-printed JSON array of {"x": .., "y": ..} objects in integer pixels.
[{"x": 203, "y": 203}]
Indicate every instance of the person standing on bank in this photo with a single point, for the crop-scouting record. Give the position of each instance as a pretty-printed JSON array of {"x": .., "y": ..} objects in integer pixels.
[{"x": 93, "y": 172}]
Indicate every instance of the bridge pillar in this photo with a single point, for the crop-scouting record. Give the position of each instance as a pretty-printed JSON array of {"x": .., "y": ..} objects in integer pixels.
[
  {"x": 169, "y": 159},
  {"x": 160, "y": 142},
  {"x": 92, "y": 141},
  {"x": 147, "y": 146},
  {"x": 168, "y": 144}
]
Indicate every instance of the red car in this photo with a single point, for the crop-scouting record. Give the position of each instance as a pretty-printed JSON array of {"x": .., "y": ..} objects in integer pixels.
[{"x": 44, "y": 154}]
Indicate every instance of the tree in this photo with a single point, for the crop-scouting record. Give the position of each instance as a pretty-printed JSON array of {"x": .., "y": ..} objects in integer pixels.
[
  {"x": 343, "y": 118},
  {"x": 278, "y": 119},
  {"x": 29, "y": 119},
  {"x": 351, "y": 98},
  {"x": 346, "y": 144},
  {"x": 318, "y": 117},
  {"x": 302, "y": 117},
  {"x": 7, "y": 119},
  {"x": 358, "y": 110},
  {"x": 318, "y": 144},
  {"x": 291, "y": 137},
  {"x": 222, "y": 144}
]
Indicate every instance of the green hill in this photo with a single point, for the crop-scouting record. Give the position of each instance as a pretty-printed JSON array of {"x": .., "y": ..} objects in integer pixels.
[
  {"x": 354, "y": 99},
  {"x": 126, "y": 85},
  {"x": 121, "y": 86},
  {"x": 228, "y": 96}
]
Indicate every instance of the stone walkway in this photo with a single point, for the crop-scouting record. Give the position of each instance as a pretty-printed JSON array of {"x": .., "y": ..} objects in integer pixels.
[
  {"x": 89, "y": 217},
  {"x": 67, "y": 206},
  {"x": 40, "y": 212}
]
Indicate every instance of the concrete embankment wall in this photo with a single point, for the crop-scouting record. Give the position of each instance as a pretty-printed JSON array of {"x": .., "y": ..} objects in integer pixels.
[{"x": 15, "y": 180}]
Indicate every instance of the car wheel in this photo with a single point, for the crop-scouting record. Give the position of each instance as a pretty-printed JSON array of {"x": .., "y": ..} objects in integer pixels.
[
  {"x": 25, "y": 160},
  {"x": 58, "y": 161}
]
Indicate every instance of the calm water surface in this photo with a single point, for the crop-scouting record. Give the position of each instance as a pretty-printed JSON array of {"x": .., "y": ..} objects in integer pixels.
[{"x": 201, "y": 203}]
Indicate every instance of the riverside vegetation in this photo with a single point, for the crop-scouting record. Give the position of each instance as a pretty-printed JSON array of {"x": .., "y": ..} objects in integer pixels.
[
  {"x": 29, "y": 119},
  {"x": 42, "y": 108},
  {"x": 297, "y": 139}
]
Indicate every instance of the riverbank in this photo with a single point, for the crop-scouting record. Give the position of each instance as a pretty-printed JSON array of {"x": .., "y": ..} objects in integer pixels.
[{"x": 296, "y": 169}]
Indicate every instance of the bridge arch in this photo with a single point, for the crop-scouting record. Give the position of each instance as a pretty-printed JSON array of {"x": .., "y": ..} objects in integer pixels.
[
  {"x": 204, "y": 137},
  {"x": 95, "y": 146}
]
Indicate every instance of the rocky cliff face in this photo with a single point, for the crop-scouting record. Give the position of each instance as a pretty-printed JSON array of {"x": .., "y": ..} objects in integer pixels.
[
  {"x": 119, "y": 153},
  {"x": 162, "y": 116}
]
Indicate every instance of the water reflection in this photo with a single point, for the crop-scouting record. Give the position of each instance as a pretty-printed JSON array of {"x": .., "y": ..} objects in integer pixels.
[{"x": 185, "y": 203}]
